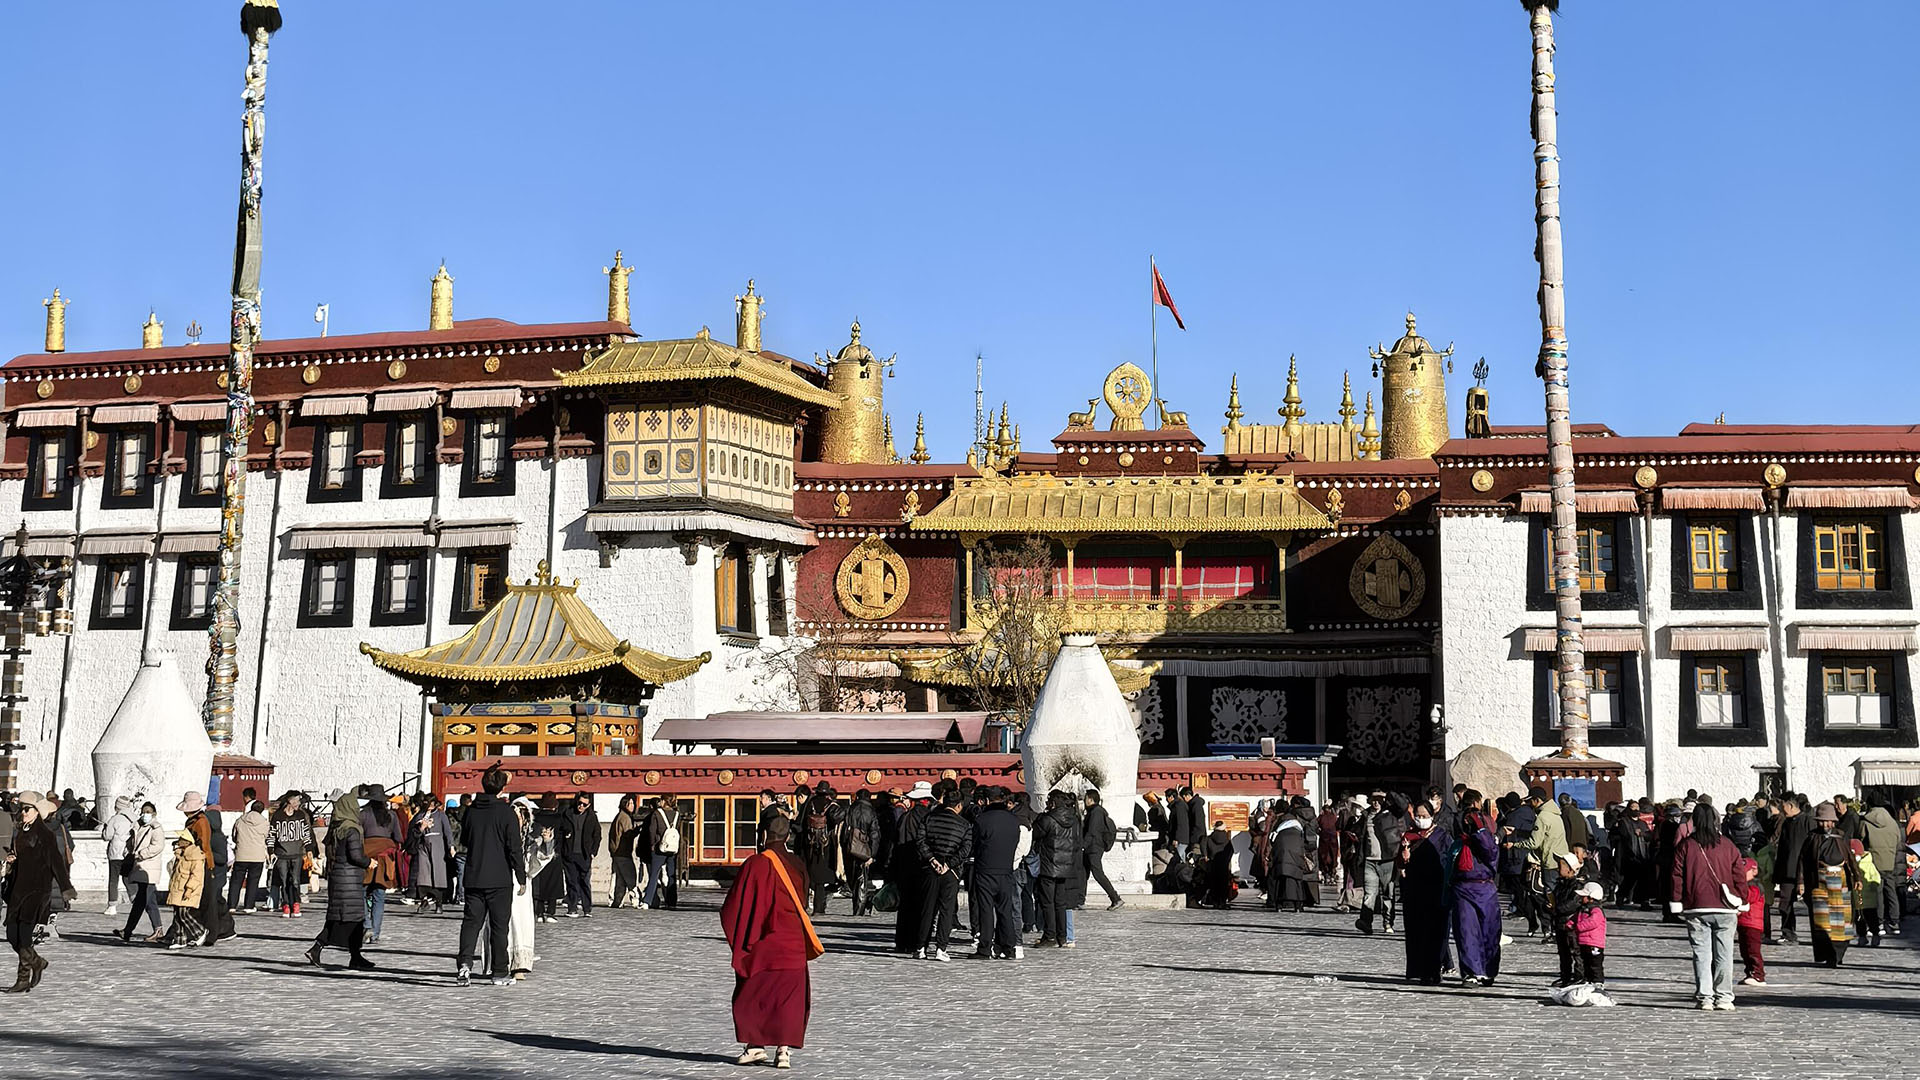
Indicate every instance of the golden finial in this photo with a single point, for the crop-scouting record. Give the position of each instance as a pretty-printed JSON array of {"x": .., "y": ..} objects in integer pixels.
[
  {"x": 1370, "y": 434},
  {"x": 1347, "y": 410},
  {"x": 56, "y": 322},
  {"x": 1016, "y": 440},
  {"x": 150, "y": 331},
  {"x": 1290, "y": 406},
  {"x": 920, "y": 455},
  {"x": 440, "y": 300},
  {"x": 1722, "y": 418},
  {"x": 543, "y": 573},
  {"x": 618, "y": 309},
  {"x": 1233, "y": 405},
  {"x": 747, "y": 315},
  {"x": 886, "y": 436}
]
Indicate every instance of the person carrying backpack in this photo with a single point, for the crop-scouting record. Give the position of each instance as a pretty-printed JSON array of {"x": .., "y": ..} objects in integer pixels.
[
  {"x": 663, "y": 860},
  {"x": 820, "y": 844},
  {"x": 860, "y": 841},
  {"x": 1095, "y": 842}
]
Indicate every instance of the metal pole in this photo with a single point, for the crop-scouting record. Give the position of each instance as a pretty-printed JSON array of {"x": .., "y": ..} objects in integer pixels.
[
  {"x": 258, "y": 20},
  {"x": 1153, "y": 322}
]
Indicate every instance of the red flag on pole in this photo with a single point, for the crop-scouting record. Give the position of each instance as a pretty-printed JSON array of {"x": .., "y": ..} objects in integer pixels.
[{"x": 1165, "y": 299}]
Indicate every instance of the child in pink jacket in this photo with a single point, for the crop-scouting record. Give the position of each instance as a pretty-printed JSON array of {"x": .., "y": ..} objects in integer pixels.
[
  {"x": 1751, "y": 925},
  {"x": 1590, "y": 934}
]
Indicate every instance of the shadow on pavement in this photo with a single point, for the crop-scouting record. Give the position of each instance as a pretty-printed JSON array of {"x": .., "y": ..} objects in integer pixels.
[{"x": 589, "y": 1046}]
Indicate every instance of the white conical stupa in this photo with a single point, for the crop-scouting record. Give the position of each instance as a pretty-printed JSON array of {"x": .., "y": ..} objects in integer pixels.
[
  {"x": 1082, "y": 736},
  {"x": 155, "y": 748}
]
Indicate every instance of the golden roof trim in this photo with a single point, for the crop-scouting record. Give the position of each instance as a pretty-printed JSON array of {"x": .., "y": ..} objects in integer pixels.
[
  {"x": 1157, "y": 504},
  {"x": 554, "y": 636},
  {"x": 948, "y": 670},
  {"x": 630, "y": 363}
]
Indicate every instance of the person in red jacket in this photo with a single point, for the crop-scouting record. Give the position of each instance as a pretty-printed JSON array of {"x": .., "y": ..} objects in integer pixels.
[
  {"x": 1708, "y": 894},
  {"x": 773, "y": 941},
  {"x": 1752, "y": 924}
]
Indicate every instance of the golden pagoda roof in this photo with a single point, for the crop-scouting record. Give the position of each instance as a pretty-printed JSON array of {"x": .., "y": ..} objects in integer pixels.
[
  {"x": 694, "y": 359},
  {"x": 1255, "y": 503},
  {"x": 540, "y": 630},
  {"x": 970, "y": 665}
]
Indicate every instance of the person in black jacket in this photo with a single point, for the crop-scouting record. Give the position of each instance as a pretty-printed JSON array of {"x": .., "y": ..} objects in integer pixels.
[
  {"x": 1197, "y": 823},
  {"x": 994, "y": 900},
  {"x": 1057, "y": 839},
  {"x": 577, "y": 853},
  {"x": 490, "y": 831},
  {"x": 860, "y": 847},
  {"x": 1097, "y": 839},
  {"x": 1180, "y": 824},
  {"x": 945, "y": 843},
  {"x": 550, "y": 885},
  {"x": 905, "y": 870},
  {"x": 1789, "y": 849}
]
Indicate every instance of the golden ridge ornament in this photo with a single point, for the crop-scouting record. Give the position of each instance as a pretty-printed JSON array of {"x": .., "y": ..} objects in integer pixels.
[
  {"x": 132, "y": 385},
  {"x": 872, "y": 581},
  {"x": 1482, "y": 481},
  {"x": 1128, "y": 392},
  {"x": 310, "y": 374},
  {"x": 45, "y": 389},
  {"x": 1387, "y": 581}
]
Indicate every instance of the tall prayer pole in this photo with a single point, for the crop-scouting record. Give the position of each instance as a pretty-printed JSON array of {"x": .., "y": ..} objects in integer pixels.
[{"x": 258, "y": 21}]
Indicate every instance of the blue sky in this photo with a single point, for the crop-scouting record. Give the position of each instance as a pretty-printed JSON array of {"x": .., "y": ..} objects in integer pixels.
[{"x": 992, "y": 177}]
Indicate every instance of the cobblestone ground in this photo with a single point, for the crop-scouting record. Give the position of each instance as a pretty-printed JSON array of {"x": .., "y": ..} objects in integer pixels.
[{"x": 1145, "y": 994}]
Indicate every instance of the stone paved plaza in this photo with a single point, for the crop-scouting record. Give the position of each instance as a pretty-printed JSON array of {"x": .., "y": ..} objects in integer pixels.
[{"x": 1146, "y": 993}]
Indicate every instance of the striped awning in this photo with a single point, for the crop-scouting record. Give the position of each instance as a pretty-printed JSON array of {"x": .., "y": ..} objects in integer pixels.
[
  {"x": 406, "y": 400},
  {"x": 1717, "y": 639},
  {"x": 1848, "y": 498},
  {"x": 198, "y": 412},
  {"x": 334, "y": 406},
  {"x": 1607, "y": 639},
  {"x": 111, "y": 542},
  {"x": 1897, "y": 637},
  {"x": 40, "y": 545},
  {"x": 354, "y": 536},
  {"x": 1705, "y": 498},
  {"x": 472, "y": 534},
  {"x": 1585, "y": 502},
  {"x": 126, "y": 414},
  {"x": 189, "y": 543},
  {"x": 507, "y": 397},
  {"x": 45, "y": 418}
]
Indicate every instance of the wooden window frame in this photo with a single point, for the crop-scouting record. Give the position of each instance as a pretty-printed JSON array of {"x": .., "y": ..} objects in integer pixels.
[
  {"x": 1830, "y": 542},
  {"x": 1722, "y": 572},
  {"x": 309, "y": 615},
  {"x": 469, "y": 562},
  {"x": 102, "y": 619},
  {"x": 383, "y": 565},
  {"x": 184, "y": 617}
]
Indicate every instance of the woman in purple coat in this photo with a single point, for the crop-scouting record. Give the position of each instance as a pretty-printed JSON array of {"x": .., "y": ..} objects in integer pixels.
[{"x": 1476, "y": 894}]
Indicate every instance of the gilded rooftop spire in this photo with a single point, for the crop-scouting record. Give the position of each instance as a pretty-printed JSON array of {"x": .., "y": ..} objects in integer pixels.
[
  {"x": 1370, "y": 434},
  {"x": 1346, "y": 401},
  {"x": 1233, "y": 405},
  {"x": 440, "y": 300},
  {"x": 618, "y": 309},
  {"x": 920, "y": 455},
  {"x": 1290, "y": 405},
  {"x": 150, "y": 331},
  {"x": 747, "y": 316},
  {"x": 56, "y": 322},
  {"x": 886, "y": 433}
]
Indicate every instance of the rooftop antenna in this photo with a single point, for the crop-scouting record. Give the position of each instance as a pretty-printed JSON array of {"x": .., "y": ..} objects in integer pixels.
[
  {"x": 320, "y": 316},
  {"x": 193, "y": 333},
  {"x": 979, "y": 404}
]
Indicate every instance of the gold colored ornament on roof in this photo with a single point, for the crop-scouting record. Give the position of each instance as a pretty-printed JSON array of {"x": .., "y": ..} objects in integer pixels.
[
  {"x": 910, "y": 506},
  {"x": 920, "y": 456},
  {"x": 1646, "y": 476},
  {"x": 1347, "y": 411},
  {"x": 151, "y": 331},
  {"x": 1402, "y": 501},
  {"x": 1083, "y": 421},
  {"x": 886, "y": 436},
  {"x": 440, "y": 300},
  {"x": 618, "y": 310},
  {"x": 310, "y": 374},
  {"x": 131, "y": 385},
  {"x": 56, "y": 322},
  {"x": 1369, "y": 433},
  {"x": 1482, "y": 481},
  {"x": 841, "y": 504},
  {"x": 1234, "y": 414},
  {"x": 872, "y": 581},
  {"x": 1128, "y": 392},
  {"x": 1775, "y": 474},
  {"x": 1291, "y": 407},
  {"x": 44, "y": 389}
]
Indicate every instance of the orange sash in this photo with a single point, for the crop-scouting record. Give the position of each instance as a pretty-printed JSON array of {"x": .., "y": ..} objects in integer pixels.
[{"x": 814, "y": 949}]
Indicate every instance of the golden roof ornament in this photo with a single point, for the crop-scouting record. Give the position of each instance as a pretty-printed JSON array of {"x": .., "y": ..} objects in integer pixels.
[
  {"x": 440, "y": 300},
  {"x": 1347, "y": 411},
  {"x": 618, "y": 309},
  {"x": 1369, "y": 434},
  {"x": 886, "y": 434},
  {"x": 150, "y": 331},
  {"x": 1290, "y": 405},
  {"x": 1128, "y": 392},
  {"x": 1083, "y": 421},
  {"x": 1413, "y": 394},
  {"x": 747, "y": 315},
  {"x": 1234, "y": 414},
  {"x": 920, "y": 455},
  {"x": 56, "y": 322}
]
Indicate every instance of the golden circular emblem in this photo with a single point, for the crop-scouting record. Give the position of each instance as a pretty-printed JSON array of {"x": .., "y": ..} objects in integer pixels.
[
  {"x": 93, "y": 439},
  {"x": 448, "y": 425},
  {"x": 310, "y": 374},
  {"x": 1168, "y": 460},
  {"x": 132, "y": 385},
  {"x": 874, "y": 776},
  {"x": 652, "y": 777},
  {"x": 1387, "y": 581},
  {"x": 45, "y": 389},
  {"x": 800, "y": 776},
  {"x": 271, "y": 432},
  {"x": 220, "y": 380},
  {"x": 872, "y": 580},
  {"x": 397, "y": 369},
  {"x": 1083, "y": 457},
  {"x": 1646, "y": 476},
  {"x": 724, "y": 778},
  {"x": 949, "y": 774},
  {"x": 1916, "y": 475},
  {"x": 1126, "y": 458},
  {"x": 579, "y": 778},
  {"x": 1482, "y": 480},
  {"x": 1128, "y": 392},
  {"x": 1774, "y": 474},
  {"x": 491, "y": 364}
]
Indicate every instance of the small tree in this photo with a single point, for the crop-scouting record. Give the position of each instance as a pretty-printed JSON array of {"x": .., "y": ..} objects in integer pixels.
[{"x": 1023, "y": 621}]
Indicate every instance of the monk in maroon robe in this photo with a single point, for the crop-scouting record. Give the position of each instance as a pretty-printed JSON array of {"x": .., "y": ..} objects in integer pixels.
[{"x": 772, "y": 941}]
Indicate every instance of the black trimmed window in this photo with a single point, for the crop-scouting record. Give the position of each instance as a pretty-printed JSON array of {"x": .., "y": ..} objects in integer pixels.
[
  {"x": 119, "y": 589},
  {"x": 194, "y": 579},
  {"x": 50, "y": 464},
  {"x": 777, "y": 595},
  {"x": 1852, "y": 561},
  {"x": 206, "y": 467},
  {"x": 336, "y": 464},
  {"x": 326, "y": 591},
  {"x": 129, "y": 449},
  {"x": 1609, "y": 571},
  {"x": 1859, "y": 699},
  {"x": 733, "y": 591},
  {"x": 1614, "y": 714},
  {"x": 1720, "y": 702},
  {"x": 1715, "y": 561},
  {"x": 480, "y": 580},
  {"x": 487, "y": 468},
  {"x": 411, "y": 469},
  {"x": 400, "y": 587}
]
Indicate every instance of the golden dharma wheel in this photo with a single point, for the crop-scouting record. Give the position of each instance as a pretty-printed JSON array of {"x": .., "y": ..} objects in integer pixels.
[
  {"x": 800, "y": 776},
  {"x": 949, "y": 774},
  {"x": 1482, "y": 480},
  {"x": 310, "y": 374},
  {"x": 874, "y": 777},
  {"x": 724, "y": 777},
  {"x": 652, "y": 777},
  {"x": 579, "y": 778},
  {"x": 45, "y": 389}
]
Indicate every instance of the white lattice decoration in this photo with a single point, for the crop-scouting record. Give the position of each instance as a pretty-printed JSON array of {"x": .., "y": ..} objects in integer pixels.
[
  {"x": 1149, "y": 714},
  {"x": 1246, "y": 716}
]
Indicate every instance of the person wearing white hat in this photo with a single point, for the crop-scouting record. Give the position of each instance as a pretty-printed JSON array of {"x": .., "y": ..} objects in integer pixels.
[{"x": 1590, "y": 933}]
